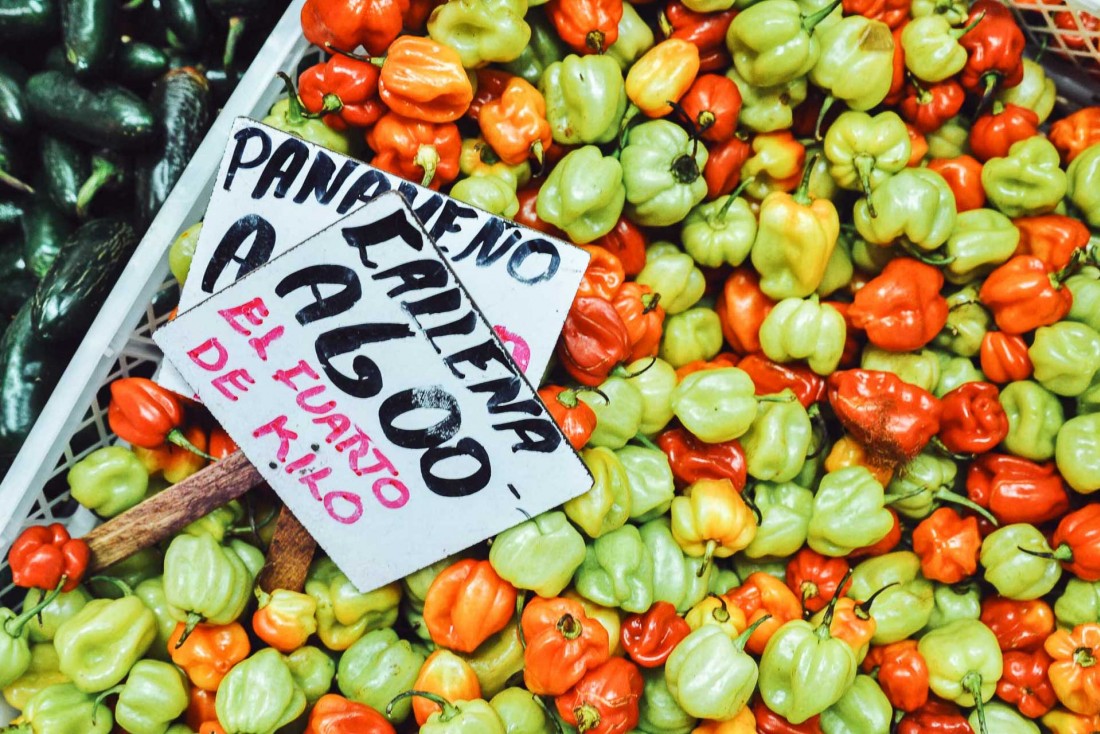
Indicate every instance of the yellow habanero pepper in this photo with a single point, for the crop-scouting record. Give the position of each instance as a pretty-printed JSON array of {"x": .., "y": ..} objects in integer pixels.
[
  {"x": 710, "y": 519},
  {"x": 662, "y": 75}
]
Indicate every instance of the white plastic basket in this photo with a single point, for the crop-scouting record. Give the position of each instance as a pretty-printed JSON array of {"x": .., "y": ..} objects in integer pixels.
[{"x": 1058, "y": 26}]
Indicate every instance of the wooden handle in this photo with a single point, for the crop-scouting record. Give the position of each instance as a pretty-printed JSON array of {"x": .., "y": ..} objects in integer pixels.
[
  {"x": 166, "y": 512},
  {"x": 288, "y": 556}
]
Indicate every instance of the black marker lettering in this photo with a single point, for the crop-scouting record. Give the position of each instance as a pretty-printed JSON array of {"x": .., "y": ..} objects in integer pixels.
[
  {"x": 415, "y": 275},
  {"x": 372, "y": 183},
  {"x": 313, "y": 276},
  {"x": 319, "y": 181},
  {"x": 456, "y": 486},
  {"x": 237, "y": 161},
  {"x": 430, "y": 399},
  {"x": 228, "y": 250},
  {"x": 366, "y": 380},
  {"x": 448, "y": 219},
  {"x": 537, "y": 246},
  {"x": 285, "y": 165},
  {"x": 395, "y": 225}
]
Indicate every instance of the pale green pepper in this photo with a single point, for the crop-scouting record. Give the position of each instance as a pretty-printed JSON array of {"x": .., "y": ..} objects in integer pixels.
[
  {"x": 1034, "y": 417},
  {"x": 773, "y": 42},
  {"x": 768, "y": 109},
  {"x": 906, "y": 601},
  {"x": 1082, "y": 182},
  {"x": 856, "y": 61},
  {"x": 377, "y": 668},
  {"x": 964, "y": 663},
  {"x": 959, "y": 601},
  {"x": 785, "y": 512},
  {"x": 521, "y": 711},
  {"x": 618, "y": 409},
  {"x": 1065, "y": 356},
  {"x": 676, "y": 576},
  {"x": 313, "y": 670},
  {"x": 658, "y": 710},
  {"x": 343, "y": 613},
  {"x": 1078, "y": 604},
  {"x": 672, "y": 274},
  {"x": 1026, "y": 182},
  {"x": 1077, "y": 453},
  {"x": 1035, "y": 92},
  {"x": 917, "y": 368},
  {"x": 259, "y": 695},
  {"x": 863, "y": 151},
  {"x": 540, "y": 554},
  {"x": 1010, "y": 564},
  {"x": 982, "y": 240},
  {"x": 570, "y": 86},
  {"x": 690, "y": 336},
  {"x": 955, "y": 371},
  {"x": 848, "y": 513},
  {"x": 497, "y": 659},
  {"x": 863, "y": 709},
  {"x": 710, "y": 675},
  {"x": 583, "y": 195},
  {"x": 635, "y": 38},
  {"x": 932, "y": 50},
  {"x": 43, "y": 626},
  {"x": 1003, "y": 719},
  {"x": 663, "y": 173},
  {"x": 649, "y": 479},
  {"x": 1085, "y": 287},
  {"x": 804, "y": 329},
  {"x": 606, "y": 506},
  {"x": 98, "y": 645},
  {"x": 967, "y": 323},
  {"x": 481, "y": 31},
  {"x": 778, "y": 440},
  {"x": 489, "y": 193},
  {"x": 719, "y": 232},
  {"x": 155, "y": 693},
  {"x": 716, "y": 405},
  {"x": 915, "y": 205},
  {"x": 654, "y": 379},
  {"x": 617, "y": 571}
]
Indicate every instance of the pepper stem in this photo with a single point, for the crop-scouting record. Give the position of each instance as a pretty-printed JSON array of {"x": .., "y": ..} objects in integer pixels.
[
  {"x": 946, "y": 495},
  {"x": 115, "y": 582},
  {"x": 865, "y": 607},
  {"x": 15, "y": 625},
  {"x": 742, "y": 639},
  {"x": 176, "y": 436},
  {"x": 632, "y": 111},
  {"x": 449, "y": 709},
  {"x": 826, "y": 105},
  {"x": 809, "y": 22},
  {"x": 103, "y": 697},
  {"x": 103, "y": 171},
  {"x": 972, "y": 682},
  {"x": 960, "y": 32},
  {"x": 376, "y": 60},
  {"x": 427, "y": 157},
  {"x": 918, "y": 254},
  {"x": 1062, "y": 553},
  {"x": 569, "y": 627},
  {"x": 708, "y": 555},
  {"x": 721, "y": 613},
  {"x": 777, "y": 398},
  {"x": 650, "y": 301},
  {"x": 648, "y": 443},
  {"x": 685, "y": 169},
  {"x": 15, "y": 183},
  {"x": 587, "y": 716},
  {"x": 595, "y": 40},
  {"x": 705, "y": 120},
  {"x": 733, "y": 195},
  {"x": 1076, "y": 260},
  {"x": 189, "y": 625},
  {"x": 296, "y": 111},
  {"x": 801, "y": 194},
  {"x": 1083, "y": 657},
  {"x": 538, "y": 152},
  {"x": 621, "y": 371},
  {"x": 864, "y": 164},
  {"x": 236, "y": 30},
  {"x": 823, "y": 631}
]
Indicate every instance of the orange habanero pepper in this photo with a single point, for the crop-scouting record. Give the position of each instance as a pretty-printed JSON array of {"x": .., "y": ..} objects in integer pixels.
[
  {"x": 333, "y": 714},
  {"x": 759, "y": 595},
  {"x": 586, "y": 26},
  {"x": 662, "y": 76},
  {"x": 467, "y": 604},
  {"x": 424, "y": 80},
  {"x": 1075, "y": 674},
  {"x": 209, "y": 652},
  {"x": 444, "y": 674},
  {"x": 515, "y": 125},
  {"x": 562, "y": 644},
  {"x": 1074, "y": 133},
  {"x": 423, "y": 152}
]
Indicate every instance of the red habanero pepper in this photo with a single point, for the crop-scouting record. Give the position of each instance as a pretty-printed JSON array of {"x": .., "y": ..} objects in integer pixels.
[
  {"x": 901, "y": 309},
  {"x": 575, "y": 418},
  {"x": 491, "y": 83},
  {"x": 893, "y": 13},
  {"x": 353, "y": 82},
  {"x": 145, "y": 414},
  {"x": 1053, "y": 238},
  {"x": 221, "y": 445},
  {"x": 1074, "y": 133},
  {"x": 692, "y": 460},
  {"x": 515, "y": 125},
  {"x": 200, "y": 707},
  {"x": 424, "y": 80},
  {"x": 586, "y": 26},
  {"x": 771, "y": 378},
  {"x": 1017, "y": 490},
  {"x": 416, "y": 16},
  {"x": 346, "y": 25},
  {"x": 994, "y": 48},
  {"x": 528, "y": 215},
  {"x": 172, "y": 462},
  {"x": 994, "y": 132},
  {"x": 936, "y": 716},
  {"x": 1018, "y": 625},
  {"x": 603, "y": 276},
  {"x": 769, "y": 722},
  {"x": 889, "y": 542},
  {"x": 712, "y": 103},
  {"x": 563, "y": 643},
  {"x": 762, "y": 595},
  {"x": 422, "y": 152},
  {"x": 333, "y": 714},
  {"x": 927, "y": 107},
  {"x": 1025, "y": 684},
  {"x": 742, "y": 308},
  {"x": 722, "y": 171},
  {"x": 47, "y": 557},
  {"x": 593, "y": 341},
  {"x": 948, "y": 546},
  {"x": 1076, "y": 542},
  {"x": 1076, "y": 22},
  {"x": 901, "y": 74},
  {"x": 628, "y": 242},
  {"x": 973, "y": 420},
  {"x": 706, "y": 30},
  {"x": 964, "y": 176},
  {"x": 641, "y": 312},
  {"x": 605, "y": 700},
  {"x": 650, "y": 637},
  {"x": 1004, "y": 357},
  {"x": 902, "y": 673},
  {"x": 814, "y": 578},
  {"x": 1023, "y": 295}
]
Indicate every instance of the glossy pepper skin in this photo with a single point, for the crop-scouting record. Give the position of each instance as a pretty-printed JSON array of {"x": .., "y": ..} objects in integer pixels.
[
  {"x": 787, "y": 50},
  {"x": 771, "y": 377},
  {"x": 816, "y": 578},
  {"x": 1053, "y": 238},
  {"x": 948, "y": 546},
  {"x": 662, "y": 173},
  {"x": 1018, "y": 624},
  {"x": 863, "y": 151},
  {"x": 605, "y": 700},
  {"x": 481, "y": 31},
  {"x": 649, "y": 638},
  {"x": 572, "y": 87},
  {"x": 423, "y": 152},
  {"x": 1025, "y": 683},
  {"x": 847, "y": 512},
  {"x": 1075, "y": 133},
  {"x": 540, "y": 554},
  {"x": 906, "y": 601},
  {"x": 424, "y": 80},
  {"x": 928, "y": 107},
  {"x": 374, "y": 24},
  {"x": 108, "y": 481},
  {"x": 710, "y": 519},
  {"x": 662, "y": 76},
  {"x": 446, "y": 675},
  {"x": 856, "y": 61},
  {"x": 343, "y": 613},
  {"x": 1082, "y": 176},
  {"x": 209, "y": 652},
  {"x": 964, "y": 662},
  {"x": 713, "y": 103},
  {"x": 155, "y": 694},
  {"x": 778, "y": 441},
  {"x": 334, "y": 714},
  {"x": 285, "y": 619},
  {"x": 915, "y": 205},
  {"x": 587, "y": 26},
  {"x": 797, "y": 329},
  {"x": 1014, "y": 571},
  {"x": 607, "y": 505},
  {"x": 593, "y": 341},
  {"x": 617, "y": 571},
  {"x": 259, "y": 694},
  {"x": 901, "y": 309},
  {"x": 467, "y": 603},
  {"x": 719, "y": 232},
  {"x": 205, "y": 580},
  {"x": 995, "y": 132},
  {"x": 352, "y": 81},
  {"x": 1065, "y": 357},
  {"x": 45, "y": 557},
  {"x": 964, "y": 175},
  {"x": 678, "y": 577},
  {"x": 710, "y": 675},
  {"x": 1035, "y": 417},
  {"x": 562, "y": 644},
  {"x": 1027, "y": 181},
  {"x": 716, "y": 405},
  {"x": 902, "y": 673},
  {"x": 691, "y": 459},
  {"x": 65, "y": 709},
  {"x": 1072, "y": 673},
  {"x": 742, "y": 308},
  {"x": 973, "y": 419},
  {"x": 515, "y": 125},
  {"x": 378, "y": 667},
  {"x": 1017, "y": 490},
  {"x": 1077, "y": 452},
  {"x": 981, "y": 240},
  {"x": 583, "y": 195},
  {"x": 994, "y": 48}
]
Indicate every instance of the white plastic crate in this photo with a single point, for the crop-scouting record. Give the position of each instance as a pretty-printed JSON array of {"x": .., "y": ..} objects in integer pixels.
[{"x": 1060, "y": 26}]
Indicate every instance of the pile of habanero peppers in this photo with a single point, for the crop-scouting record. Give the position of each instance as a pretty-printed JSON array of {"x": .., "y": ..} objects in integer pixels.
[{"x": 842, "y": 465}]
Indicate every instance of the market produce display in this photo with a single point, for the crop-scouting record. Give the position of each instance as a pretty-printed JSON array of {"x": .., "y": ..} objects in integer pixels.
[{"x": 834, "y": 368}]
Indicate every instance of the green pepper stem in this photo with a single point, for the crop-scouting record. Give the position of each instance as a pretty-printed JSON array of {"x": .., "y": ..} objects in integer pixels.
[
  {"x": 15, "y": 183},
  {"x": 826, "y": 105},
  {"x": 802, "y": 193},
  {"x": 569, "y": 627},
  {"x": 865, "y": 607},
  {"x": 621, "y": 371},
  {"x": 650, "y": 301},
  {"x": 972, "y": 682},
  {"x": 632, "y": 111},
  {"x": 706, "y": 119},
  {"x": 14, "y": 626},
  {"x": 918, "y": 254},
  {"x": 1062, "y": 553},
  {"x": 946, "y": 495},
  {"x": 427, "y": 157},
  {"x": 295, "y": 112},
  {"x": 376, "y": 60},
  {"x": 449, "y": 709},
  {"x": 863, "y": 168},
  {"x": 193, "y": 620},
  {"x": 103, "y": 697},
  {"x": 232, "y": 38},
  {"x": 548, "y": 714},
  {"x": 1083, "y": 657},
  {"x": 733, "y": 195},
  {"x": 587, "y": 716},
  {"x": 960, "y": 32},
  {"x": 708, "y": 555},
  {"x": 538, "y": 152},
  {"x": 114, "y": 581},
  {"x": 1076, "y": 260},
  {"x": 646, "y": 441},
  {"x": 778, "y": 397},
  {"x": 809, "y": 22},
  {"x": 823, "y": 630},
  {"x": 595, "y": 40},
  {"x": 176, "y": 436},
  {"x": 685, "y": 169},
  {"x": 103, "y": 171},
  {"x": 664, "y": 24},
  {"x": 743, "y": 639}
]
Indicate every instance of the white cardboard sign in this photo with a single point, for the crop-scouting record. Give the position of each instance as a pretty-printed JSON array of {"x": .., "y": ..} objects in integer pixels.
[
  {"x": 274, "y": 190},
  {"x": 360, "y": 379}
]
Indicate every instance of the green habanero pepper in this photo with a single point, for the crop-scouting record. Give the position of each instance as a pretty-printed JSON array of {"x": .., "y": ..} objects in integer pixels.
[
  {"x": 716, "y": 405},
  {"x": 915, "y": 205},
  {"x": 671, "y": 274},
  {"x": 964, "y": 663},
  {"x": 1077, "y": 453},
  {"x": 1066, "y": 357},
  {"x": 1078, "y": 604},
  {"x": 460, "y": 717},
  {"x": 618, "y": 407},
  {"x": 1011, "y": 566},
  {"x": 797, "y": 329},
  {"x": 540, "y": 554},
  {"x": 921, "y": 485},
  {"x": 544, "y": 48},
  {"x": 663, "y": 173},
  {"x": 259, "y": 695},
  {"x": 955, "y": 371},
  {"x": 43, "y": 626},
  {"x": 710, "y": 675},
  {"x": 1089, "y": 400},
  {"x": 15, "y": 648},
  {"x": 182, "y": 252},
  {"x": 658, "y": 711},
  {"x": 950, "y": 140},
  {"x": 691, "y": 336},
  {"x": 1083, "y": 184},
  {"x": 768, "y": 109},
  {"x": 982, "y": 240},
  {"x": 290, "y": 115},
  {"x": 1003, "y": 719},
  {"x": 967, "y": 323},
  {"x": 497, "y": 659},
  {"x": 856, "y": 64},
  {"x": 1035, "y": 92},
  {"x": 1026, "y": 182},
  {"x": 205, "y": 581},
  {"x": 906, "y": 602},
  {"x": 131, "y": 571},
  {"x": 848, "y": 513},
  {"x": 649, "y": 479},
  {"x": 778, "y": 440},
  {"x": 785, "y": 512},
  {"x": 488, "y": 193},
  {"x": 218, "y": 522},
  {"x": 1034, "y": 417},
  {"x": 719, "y": 232},
  {"x": 953, "y": 11},
  {"x": 98, "y": 645},
  {"x": 1085, "y": 287},
  {"x": 804, "y": 669},
  {"x": 108, "y": 481},
  {"x": 863, "y": 709},
  {"x": 477, "y": 158},
  {"x": 654, "y": 379},
  {"x": 40, "y": 674},
  {"x": 617, "y": 571},
  {"x": 155, "y": 693},
  {"x": 343, "y": 613},
  {"x": 920, "y": 368},
  {"x": 583, "y": 195},
  {"x": 863, "y": 151},
  {"x": 958, "y": 601},
  {"x": 840, "y": 268},
  {"x": 676, "y": 576},
  {"x": 635, "y": 38},
  {"x": 773, "y": 42},
  {"x": 313, "y": 670},
  {"x": 65, "y": 709},
  {"x": 585, "y": 99},
  {"x": 151, "y": 593},
  {"x": 606, "y": 506},
  {"x": 481, "y": 31},
  {"x": 932, "y": 49},
  {"x": 521, "y": 712},
  {"x": 376, "y": 668}
]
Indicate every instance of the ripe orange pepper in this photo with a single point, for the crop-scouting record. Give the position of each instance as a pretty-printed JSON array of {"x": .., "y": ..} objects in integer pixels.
[
  {"x": 173, "y": 462},
  {"x": 743, "y": 723},
  {"x": 285, "y": 619},
  {"x": 662, "y": 76},
  {"x": 586, "y": 26},
  {"x": 563, "y": 642},
  {"x": 852, "y": 622},
  {"x": 467, "y": 604},
  {"x": 1004, "y": 357},
  {"x": 902, "y": 673},
  {"x": 1075, "y": 672},
  {"x": 742, "y": 308},
  {"x": 760, "y": 595},
  {"x": 1074, "y": 133},
  {"x": 515, "y": 125},
  {"x": 640, "y": 309},
  {"x": 143, "y": 413},
  {"x": 1053, "y": 238},
  {"x": 200, "y": 707},
  {"x": 422, "y": 152},
  {"x": 918, "y": 146},
  {"x": 446, "y": 675},
  {"x": 424, "y": 80},
  {"x": 948, "y": 545},
  {"x": 964, "y": 176},
  {"x": 849, "y": 452},
  {"x": 1060, "y": 721},
  {"x": 333, "y": 714},
  {"x": 1023, "y": 295},
  {"x": 575, "y": 417},
  {"x": 603, "y": 276},
  {"x": 209, "y": 652}
]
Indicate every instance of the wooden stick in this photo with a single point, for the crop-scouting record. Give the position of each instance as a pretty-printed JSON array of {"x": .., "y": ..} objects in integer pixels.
[
  {"x": 165, "y": 513},
  {"x": 288, "y": 556}
]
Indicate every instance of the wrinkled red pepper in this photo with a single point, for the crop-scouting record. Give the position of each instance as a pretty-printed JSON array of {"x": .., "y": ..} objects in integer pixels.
[
  {"x": 491, "y": 84},
  {"x": 935, "y": 717},
  {"x": 1017, "y": 490},
  {"x": 771, "y": 378},
  {"x": 712, "y": 103},
  {"x": 640, "y": 309},
  {"x": 1053, "y": 238},
  {"x": 1076, "y": 542},
  {"x": 593, "y": 341},
  {"x": 742, "y": 308},
  {"x": 902, "y": 673},
  {"x": 964, "y": 176},
  {"x": 603, "y": 276},
  {"x": 994, "y": 47},
  {"x": 1018, "y": 625},
  {"x": 901, "y": 309},
  {"x": 586, "y": 26},
  {"x": 649, "y": 638},
  {"x": 1004, "y": 357},
  {"x": 994, "y": 132},
  {"x": 692, "y": 460},
  {"x": 1023, "y": 295},
  {"x": 973, "y": 420},
  {"x": 948, "y": 545},
  {"x": 769, "y": 722},
  {"x": 893, "y": 13},
  {"x": 351, "y": 81},
  {"x": 628, "y": 242},
  {"x": 1075, "y": 133},
  {"x": 575, "y": 418},
  {"x": 348, "y": 24},
  {"x": 45, "y": 555},
  {"x": 605, "y": 701},
  {"x": 706, "y": 30},
  {"x": 722, "y": 171},
  {"x": 814, "y": 578},
  {"x": 1025, "y": 683},
  {"x": 928, "y": 107}
]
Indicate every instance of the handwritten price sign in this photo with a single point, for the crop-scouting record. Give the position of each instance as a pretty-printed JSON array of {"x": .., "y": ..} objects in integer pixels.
[
  {"x": 360, "y": 379},
  {"x": 274, "y": 190}
]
